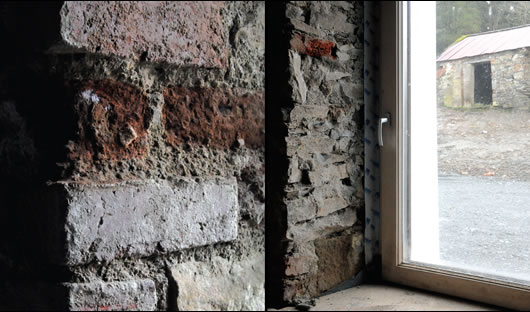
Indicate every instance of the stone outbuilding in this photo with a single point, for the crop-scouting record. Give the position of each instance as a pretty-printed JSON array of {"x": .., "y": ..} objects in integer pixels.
[{"x": 486, "y": 69}]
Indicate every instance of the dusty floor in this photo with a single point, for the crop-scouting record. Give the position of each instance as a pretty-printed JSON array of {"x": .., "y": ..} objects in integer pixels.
[
  {"x": 484, "y": 142},
  {"x": 391, "y": 298}
]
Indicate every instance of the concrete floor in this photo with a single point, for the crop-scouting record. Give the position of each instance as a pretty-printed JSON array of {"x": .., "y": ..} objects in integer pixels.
[{"x": 369, "y": 297}]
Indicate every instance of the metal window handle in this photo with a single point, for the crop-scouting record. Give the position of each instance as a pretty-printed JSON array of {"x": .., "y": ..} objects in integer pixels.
[{"x": 382, "y": 121}]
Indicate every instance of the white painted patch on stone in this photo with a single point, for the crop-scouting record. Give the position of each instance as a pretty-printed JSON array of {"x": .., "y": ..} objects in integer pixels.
[
  {"x": 89, "y": 95},
  {"x": 132, "y": 295},
  {"x": 110, "y": 221}
]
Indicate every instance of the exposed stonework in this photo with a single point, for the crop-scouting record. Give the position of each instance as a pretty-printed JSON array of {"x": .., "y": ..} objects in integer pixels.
[
  {"x": 182, "y": 33},
  {"x": 133, "y": 295},
  {"x": 110, "y": 221},
  {"x": 322, "y": 190},
  {"x": 510, "y": 74},
  {"x": 221, "y": 285},
  {"x": 339, "y": 258},
  {"x": 82, "y": 116},
  {"x": 213, "y": 117}
]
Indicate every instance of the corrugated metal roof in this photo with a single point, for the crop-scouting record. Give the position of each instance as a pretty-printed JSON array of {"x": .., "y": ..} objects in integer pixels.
[{"x": 488, "y": 42}]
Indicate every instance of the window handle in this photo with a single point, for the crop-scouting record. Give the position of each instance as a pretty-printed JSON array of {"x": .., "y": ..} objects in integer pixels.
[{"x": 382, "y": 121}]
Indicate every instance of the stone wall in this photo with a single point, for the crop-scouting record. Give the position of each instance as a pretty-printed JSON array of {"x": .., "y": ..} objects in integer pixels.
[
  {"x": 510, "y": 74},
  {"x": 132, "y": 155},
  {"x": 315, "y": 154}
]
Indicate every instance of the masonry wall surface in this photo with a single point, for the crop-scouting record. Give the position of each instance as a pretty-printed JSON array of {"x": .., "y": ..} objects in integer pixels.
[
  {"x": 510, "y": 73},
  {"x": 315, "y": 189},
  {"x": 132, "y": 155}
]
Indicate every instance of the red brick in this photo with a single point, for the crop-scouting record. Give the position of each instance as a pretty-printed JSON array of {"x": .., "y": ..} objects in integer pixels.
[
  {"x": 312, "y": 47},
  {"x": 112, "y": 120},
  {"x": 180, "y": 32},
  {"x": 214, "y": 117},
  {"x": 440, "y": 72}
]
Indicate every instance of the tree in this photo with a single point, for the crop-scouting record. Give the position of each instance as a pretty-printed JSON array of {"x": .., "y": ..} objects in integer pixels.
[{"x": 455, "y": 19}]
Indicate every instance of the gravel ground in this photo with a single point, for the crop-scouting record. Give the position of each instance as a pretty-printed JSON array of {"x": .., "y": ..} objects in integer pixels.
[
  {"x": 489, "y": 142},
  {"x": 484, "y": 190},
  {"x": 484, "y": 225}
]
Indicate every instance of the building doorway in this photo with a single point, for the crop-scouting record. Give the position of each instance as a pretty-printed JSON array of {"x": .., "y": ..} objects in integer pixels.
[{"x": 483, "y": 83}]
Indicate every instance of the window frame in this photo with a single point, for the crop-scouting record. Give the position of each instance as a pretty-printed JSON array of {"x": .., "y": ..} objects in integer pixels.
[{"x": 394, "y": 90}]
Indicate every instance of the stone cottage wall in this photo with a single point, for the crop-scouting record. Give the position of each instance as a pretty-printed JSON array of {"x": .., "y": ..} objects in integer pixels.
[
  {"x": 314, "y": 156},
  {"x": 132, "y": 155},
  {"x": 510, "y": 80}
]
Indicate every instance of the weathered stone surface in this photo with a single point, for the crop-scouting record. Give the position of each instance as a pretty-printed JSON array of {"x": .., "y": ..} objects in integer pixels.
[
  {"x": 297, "y": 78},
  {"x": 182, "y": 33},
  {"x": 214, "y": 117},
  {"x": 113, "y": 119},
  {"x": 308, "y": 112},
  {"x": 305, "y": 28},
  {"x": 294, "y": 174},
  {"x": 333, "y": 197},
  {"x": 247, "y": 43},
  {"x": 301, "y": 260},
  {"x": 221, "y": 285},
  {"x": 306, "y": 146},
  {"x": 132, "y": 295},
  {"x": 301, "y": 209},
  {"x": 139, "y": 218},
  {"x": 339, "y": 259},
  {"x": 328, "y": 174},
  {"x": 327, "y": 17},
  {"x": 321, "y": 227}
]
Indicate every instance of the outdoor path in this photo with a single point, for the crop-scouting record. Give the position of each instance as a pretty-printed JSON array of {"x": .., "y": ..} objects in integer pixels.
[{"x": 485, "y": 223}]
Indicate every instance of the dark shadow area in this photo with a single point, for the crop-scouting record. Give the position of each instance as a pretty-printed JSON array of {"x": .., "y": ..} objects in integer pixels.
[
  {"x": 278, "y": 101},
  {"x": 35, "y": 124},
  {"x": 483, "y": 91}
]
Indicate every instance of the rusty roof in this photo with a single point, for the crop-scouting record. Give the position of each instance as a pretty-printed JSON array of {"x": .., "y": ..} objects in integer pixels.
[{"x": 488, "y": 42}]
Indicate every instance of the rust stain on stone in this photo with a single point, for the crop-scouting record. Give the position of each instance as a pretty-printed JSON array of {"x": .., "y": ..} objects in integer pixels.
[
  {"x": 312, "y": 47},
  {"x": 112, "y": 121},
  {"x": 214, "y": 117}
]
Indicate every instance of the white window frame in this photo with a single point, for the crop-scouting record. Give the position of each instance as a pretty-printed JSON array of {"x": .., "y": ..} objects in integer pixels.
[{"x": 394, "y": 92}]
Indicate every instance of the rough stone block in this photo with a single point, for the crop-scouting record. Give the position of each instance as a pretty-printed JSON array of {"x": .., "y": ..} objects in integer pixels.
[
  {"x": 303, "y": 260},
  {"x": 106, "y": 221},
  {"x": 333, "y": 197},
  {"x": 303, "y": 27},
  {"x": 133, "y": 295},
  {"x": 301, "y": 209},
  {"x": 297, "y": 78},
  {"x": 182, "y": 33},
  {"x": 221, "y": 285},
  {"x": 321, "y": 227},
  {"x": 327, "y": 17},
  {"x": 309, "y": 145},
  {"x": 308, "y": 112},
  {"x": 328, "y": 174},
  {"x": 339, "y": 259},
  {"x": 247, "y": 43},
  {"x": 214, "y": 117}
]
